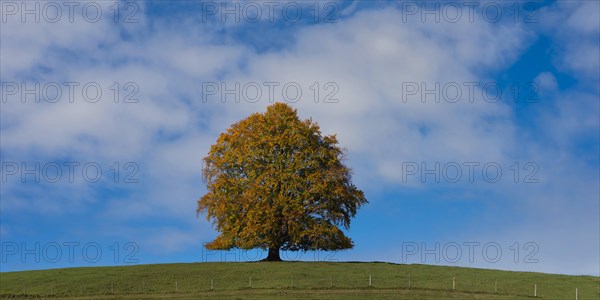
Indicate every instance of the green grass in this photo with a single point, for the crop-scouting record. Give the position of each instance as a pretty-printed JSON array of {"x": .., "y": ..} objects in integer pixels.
[{"x": 311, "y": 280}]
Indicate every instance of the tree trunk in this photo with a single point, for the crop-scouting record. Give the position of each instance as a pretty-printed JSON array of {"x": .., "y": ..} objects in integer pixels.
[{"x": 273, "y": 254}]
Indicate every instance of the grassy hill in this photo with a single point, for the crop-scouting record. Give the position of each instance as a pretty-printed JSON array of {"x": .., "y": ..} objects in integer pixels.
[{"x": 292, "y": 280}]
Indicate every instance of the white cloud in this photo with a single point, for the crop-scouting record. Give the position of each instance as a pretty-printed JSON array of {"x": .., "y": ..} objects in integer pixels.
[
  {"x": 574, "y": 26},
  {"x": 546, "y": 82}
]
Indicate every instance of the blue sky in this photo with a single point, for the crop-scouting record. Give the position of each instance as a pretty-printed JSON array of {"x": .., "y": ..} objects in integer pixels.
[{"x": 473, "y": 130}]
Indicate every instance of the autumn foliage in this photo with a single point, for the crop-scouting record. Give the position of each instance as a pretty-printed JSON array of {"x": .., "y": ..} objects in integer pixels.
[{"x": 274, "y": 182}]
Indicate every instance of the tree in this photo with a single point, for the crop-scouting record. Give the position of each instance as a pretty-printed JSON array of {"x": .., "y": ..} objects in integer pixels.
[{"x": 274, "y": 182}]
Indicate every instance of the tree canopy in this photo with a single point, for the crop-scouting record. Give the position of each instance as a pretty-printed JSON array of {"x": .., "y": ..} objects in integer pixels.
[{"x": 275, "y": 182}]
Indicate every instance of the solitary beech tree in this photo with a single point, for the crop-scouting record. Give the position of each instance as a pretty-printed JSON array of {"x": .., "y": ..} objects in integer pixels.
[{"x": 274, "y": 182}]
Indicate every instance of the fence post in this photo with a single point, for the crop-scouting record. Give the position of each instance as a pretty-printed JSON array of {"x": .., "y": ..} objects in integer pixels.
[
  {"x": 576, "y": 293},
  {"x": 535, "y": 290},
  {"x": 112, "y": 288},
  {"x": 212, "y": 284},
  {"x": 369, "y": 280},
  {"x": 331, "y": 281},
  {"x": 409, "y": 281},
  {"x": 453, "y": 282},
  {"x": 496, "y": 286},
  {"x": 250, "y": 281}
]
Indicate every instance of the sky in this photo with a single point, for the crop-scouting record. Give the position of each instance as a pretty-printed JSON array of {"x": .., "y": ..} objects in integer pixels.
[{"x": 472, "y": 127}]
